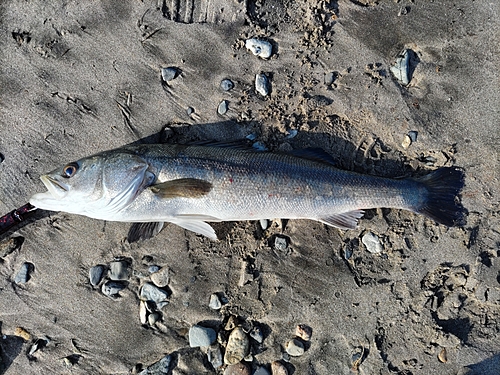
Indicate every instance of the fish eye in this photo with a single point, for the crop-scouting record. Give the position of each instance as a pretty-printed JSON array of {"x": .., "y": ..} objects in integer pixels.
[{"x": 70, "y": 170}]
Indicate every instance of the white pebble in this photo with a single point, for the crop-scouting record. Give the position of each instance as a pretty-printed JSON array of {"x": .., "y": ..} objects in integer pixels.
[
  {"x": 280, "y": 243},
  {"x": 143, "y": 312},
  {"x": 161, "y": 277},
  {"x": 262, "y": 84},
  {"x": 259, "y": 47},
  {"x": 215, "y": 303},
  {"x": 372, "y": 243},
  {"x": 223, "y": 107},
  {"x": 295, "y": 348}
]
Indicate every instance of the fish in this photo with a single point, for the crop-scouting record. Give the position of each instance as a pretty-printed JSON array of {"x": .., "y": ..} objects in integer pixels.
[{"x": 192, "y": 185}]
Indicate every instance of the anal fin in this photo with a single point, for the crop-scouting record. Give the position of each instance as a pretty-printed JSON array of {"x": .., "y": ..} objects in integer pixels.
[
  {"x": 345, "y": 220},
  {"x": 196, "y": 226}
]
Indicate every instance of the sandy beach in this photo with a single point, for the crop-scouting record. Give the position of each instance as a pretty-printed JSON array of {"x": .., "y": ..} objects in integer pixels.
[{"x": 79, "y": 78}]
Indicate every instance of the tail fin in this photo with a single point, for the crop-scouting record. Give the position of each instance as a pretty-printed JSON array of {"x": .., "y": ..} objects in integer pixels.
[{"x": 443, "y": 202}]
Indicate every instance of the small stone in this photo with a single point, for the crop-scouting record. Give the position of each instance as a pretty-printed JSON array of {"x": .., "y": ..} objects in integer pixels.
[
  {"x": 170, "y": 73},
  {"x": 264, "y": 223},
  {"x": 238, "y": 346},
  {"x": 143, "y": 312},
  {"x": 443, "y": 356},
  {"x": 401, "y": 68},
  {"x": 226, "y": 84},
  {"x": 162, "y": 367},
  {"x": 21, "y": 332},
  {"x": 189, "y": 111},
  {"x": 201, "y": 336},
  {"x": 277, "y": 368},
  {"x": 161, "y": 277},
  {"x": 231, "y": 324},
  {"x": 237, "y": 369},
  {"x": 280, "y": 243},
  {"x": 96, "y": 274},
  {"x": 215, "y": 303},
  {"x": 261, "y": 370},
  {"x": 262, "y": 84},
  {"x": 153, "y": 318},
  {"x": 304, "y": 332},
  {"x": 259, "y": 47},
  {"x": 23, "y": 275},
  {"x": 112, "y": 288},
  {"x": 372, "y": 243},
  {"x": 223, "y": 107},
  {"x": 149, "y": 292},
  {"x": 119, "y": 270},
  {"x": 153, "y": 269},
  {"x": 246, "y": 274},
  {"x": 9, "y": 246},
  {"x": 406, "y": 141},
  {"x": 257, "y": 335},
  {"x": 214, "y": 355},
  {"x": 295, "y": 348}
]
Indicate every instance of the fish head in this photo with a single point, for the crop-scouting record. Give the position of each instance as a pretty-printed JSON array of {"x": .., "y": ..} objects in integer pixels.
[{"x": 97, "y": 186}]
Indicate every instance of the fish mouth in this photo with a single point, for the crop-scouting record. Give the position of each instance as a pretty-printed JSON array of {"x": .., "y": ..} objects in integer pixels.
[{"x": 56, "y": 188}]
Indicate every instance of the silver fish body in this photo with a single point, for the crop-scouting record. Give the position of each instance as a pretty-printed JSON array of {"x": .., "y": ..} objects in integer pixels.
[{"x": 190, "y": 185}]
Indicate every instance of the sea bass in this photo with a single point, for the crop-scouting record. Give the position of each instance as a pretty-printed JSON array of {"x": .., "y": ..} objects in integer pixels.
[{"x": 192, "y": 185}]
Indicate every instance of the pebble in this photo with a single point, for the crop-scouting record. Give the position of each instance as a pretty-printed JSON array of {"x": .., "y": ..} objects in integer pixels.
[
  {"x": 96, "y": 274},
  {"x": 153, "y": 269},
  {"x": 295, "y": 348},
  {"x": 215, "y": 302},
  {"x": 23, "y": 275},
  {"x": 119, "y": 270},
  {"x": 292, "y": 133},
  {"x": 330, "y": 78},
  {"x": 280, "y": 243},
  {"x": 261, "y": 370},
  {"x": 238, "y": 346},
  {"x": 214, "y": 355},
  {"x": 170, "y": 73},
  {"x": 413, "y": 135},
  {"x": 262, "y": 84},
  {"x": 158, "y": 368},
  {"x": 406, "y": 141},
  {"x": 231, "y": 324},
  {"x": 112, "y": 288},
  {"x": 259, "y": 146},
  {"x": 401, "y": 68},
  {"x": 189, "y": 111},
  {"x": 153, "y": 318},
  {"x": 223, "y": 107},
  {"x": 372, "y": 243},
  {"x": 21, "y": 332},
  {"x": 264, "y": 223},
  {"x": 9, "y": 246},
  {"x": 237, "y": 369},
  {"x": 149, "y": 292},
  {"x": 277, "y": 368},
  {"x": 143, "y": 312},
  {"x": 304, "y": 332},
  {"x": 161, "y": 277},
  {"x": 259, "y": 47},
  {"x": 257, "y": 335},
  {"x": 201, "y": 336},
  {"x": 226, "y": 84}
]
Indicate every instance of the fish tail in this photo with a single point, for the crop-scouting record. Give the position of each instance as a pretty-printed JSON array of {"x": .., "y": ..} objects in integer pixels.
[{"x": 442, "y": 202}]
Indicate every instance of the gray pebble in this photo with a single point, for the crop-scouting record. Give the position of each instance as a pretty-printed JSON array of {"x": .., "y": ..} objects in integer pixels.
[
  {"x": 23, "y": 275},
  {"x": 214, "y": 355},
  {"x": 226, "y": 84},
  {"x": 256, "y": 334},
  {"x": 259, "y": 47},
  {"x": 189, "y": 111},
  {"x": 372, "y": 243},
  {"x": 119, "y": 270},
  {"x": 401, "y": 68},
  {"x": 294, "y": 347},
  {"x": 170, "y": 73},
  {"x": 149, "y": 292},
  {"x": 261, "y": 370},
  {"x": 413, "y": 135},
  {"x": 161, "y": 277},
  {"x": 159, "y": 368},
  {"x": 153, "y": 269},
  {"x": 262, "y": 84},
  {"x": 201, "y": 336},
  {"x": 112, "y": 288},
  {"x": 96, "y": 274},
  {"x": 153, "y": 318},
  {"x": 223, "y": 107},
  {"x": 280, "y": 243},
  {"x": 215, "y": 302},
  {"x": 238, "y": 346}
]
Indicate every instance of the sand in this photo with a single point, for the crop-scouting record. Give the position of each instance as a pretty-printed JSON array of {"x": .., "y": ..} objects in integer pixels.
[{"x": 81, "y": 77}]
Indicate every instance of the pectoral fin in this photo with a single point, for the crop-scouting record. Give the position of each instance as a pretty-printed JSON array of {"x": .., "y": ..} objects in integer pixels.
[
  {"x": 345, "y": 220},
  {"x": 183, "y": 187},
  {"x": 197, "y": 226}
]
